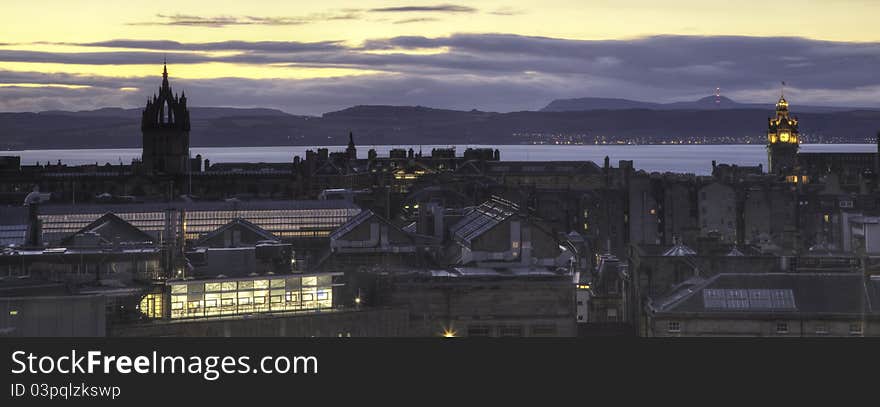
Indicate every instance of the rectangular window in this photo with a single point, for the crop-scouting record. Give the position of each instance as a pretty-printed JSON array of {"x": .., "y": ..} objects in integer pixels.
[
  {"x": 479, "y": 330},
  {"x": 544, "y": 330},
  {"x": 611, "y": 313},
  {"x": 673, "y": 327},
  {"x": 510, "y": 330},
  {"x": 210, "y": 303},
  {"x": 855, "y": 328},
  {"x": 821, "y": 329},
  {"x": 782, "y": 327}
]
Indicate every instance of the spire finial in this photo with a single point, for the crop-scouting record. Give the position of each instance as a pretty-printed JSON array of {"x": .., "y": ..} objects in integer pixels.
[{"x": 782, "y": 91}]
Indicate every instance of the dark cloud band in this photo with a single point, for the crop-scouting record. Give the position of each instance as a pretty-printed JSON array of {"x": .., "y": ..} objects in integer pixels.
[{"x": 502, "y": 72}]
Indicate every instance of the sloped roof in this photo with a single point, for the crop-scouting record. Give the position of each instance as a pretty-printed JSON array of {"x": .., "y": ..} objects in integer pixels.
[
  {"x": 822, "y": 293},
  {"x": 110, "y": 226},
  {"x": 237, "y": 222},
  {"x": 351, "y": 224},
  {"x": 482, "y": 219},
  {"x": 679, "y": 249},
  {"x": 13, "y": 225},
  {"x": 360, "y": 218}
]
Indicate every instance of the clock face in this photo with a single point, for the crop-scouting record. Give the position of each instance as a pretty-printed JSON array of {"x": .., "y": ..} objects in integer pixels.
[{"x": 783, "y": 137}]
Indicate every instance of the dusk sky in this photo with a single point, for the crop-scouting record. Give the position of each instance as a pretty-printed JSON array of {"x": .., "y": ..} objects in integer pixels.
[{"x": 314, "y": 57}]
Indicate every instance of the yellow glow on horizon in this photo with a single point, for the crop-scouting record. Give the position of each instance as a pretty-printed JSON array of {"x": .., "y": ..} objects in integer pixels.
[
  {"x": 188, "y": 71},
  {"x": 75, "y": 49},
  {"x": 51, "y": 20},
  {"x": 47, "y": 25}
]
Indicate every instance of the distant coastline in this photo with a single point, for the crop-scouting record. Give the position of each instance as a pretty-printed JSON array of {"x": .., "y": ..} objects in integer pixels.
[
  {"x": 341, "y": 147},
  {"x": 695, "y": 159},
  {"x": 413, "y": 125}
]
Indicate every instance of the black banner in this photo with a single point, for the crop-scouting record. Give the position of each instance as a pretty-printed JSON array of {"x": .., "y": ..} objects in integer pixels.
[{"x": 251, "y": 371}]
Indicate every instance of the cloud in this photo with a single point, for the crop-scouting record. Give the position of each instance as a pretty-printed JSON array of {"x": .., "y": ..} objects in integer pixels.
[
  {"x": 266, "y": 46},
  {"x": 191, "y": 20},
  {"x": 507, "y": 11},
  {"x": 443, "y": 8},
  {"x": 416, "y": 20},
  {"x": 499, "y": 72},
  {"x": 223, "y": 21}
]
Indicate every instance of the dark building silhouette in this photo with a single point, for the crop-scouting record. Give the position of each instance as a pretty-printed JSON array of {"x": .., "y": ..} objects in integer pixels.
[
  {"x": 351, "y": 150},
  {"x": 165, "y": 127}
]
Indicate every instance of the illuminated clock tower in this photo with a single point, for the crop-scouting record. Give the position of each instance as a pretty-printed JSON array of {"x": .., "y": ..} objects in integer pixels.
[{"x": 782, "y": 140}]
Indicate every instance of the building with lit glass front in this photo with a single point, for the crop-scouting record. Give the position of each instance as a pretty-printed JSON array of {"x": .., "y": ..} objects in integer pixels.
[
  {"x": 242, "y": 296},
  {"x": 288, "y": 220}
]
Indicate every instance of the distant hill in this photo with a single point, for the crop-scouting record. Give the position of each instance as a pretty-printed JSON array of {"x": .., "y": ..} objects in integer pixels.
[
  {"x": 706, "y": 103},
  {"x": 409, "y": 125}
]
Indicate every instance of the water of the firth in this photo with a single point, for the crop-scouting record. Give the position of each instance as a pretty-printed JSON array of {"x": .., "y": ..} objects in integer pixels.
[{"x": 695, "y": 159}]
